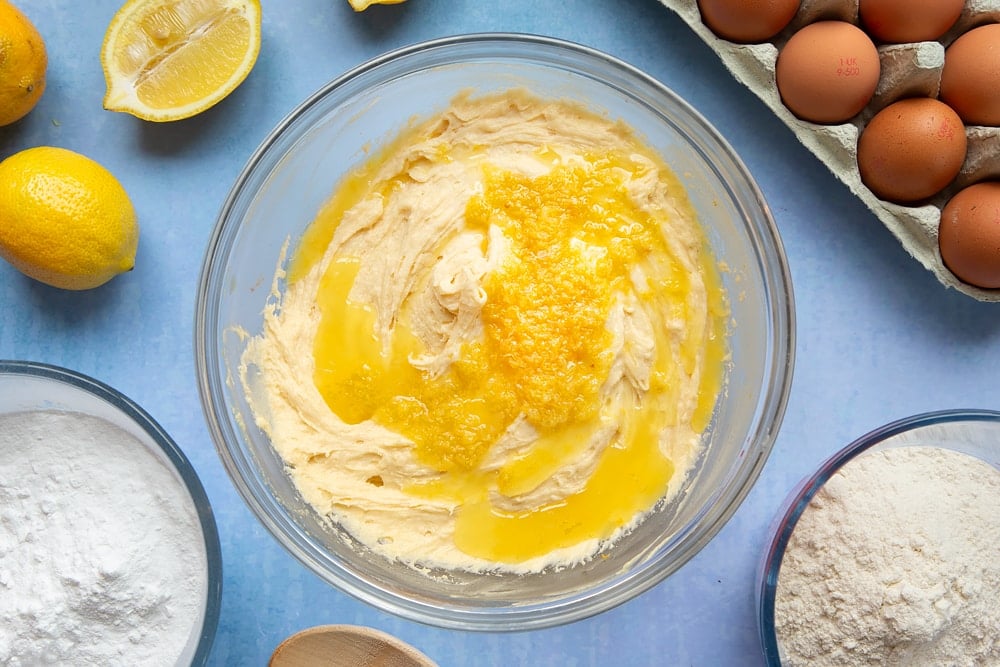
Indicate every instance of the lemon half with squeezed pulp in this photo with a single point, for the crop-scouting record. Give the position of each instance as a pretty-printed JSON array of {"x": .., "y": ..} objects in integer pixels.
[{"x": 167, "y": 60}]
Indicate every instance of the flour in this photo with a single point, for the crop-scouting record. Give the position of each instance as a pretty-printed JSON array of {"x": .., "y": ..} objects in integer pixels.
[
  {"x": 102, "y": 561},
  {"x": 896, "y": 561}
]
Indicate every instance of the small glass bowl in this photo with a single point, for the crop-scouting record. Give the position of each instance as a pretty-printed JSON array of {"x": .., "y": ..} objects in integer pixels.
[
  {"x": 31, "y": 386},
  {"x": 972, "y": 432},
  {"x": 295, "y": 171}
]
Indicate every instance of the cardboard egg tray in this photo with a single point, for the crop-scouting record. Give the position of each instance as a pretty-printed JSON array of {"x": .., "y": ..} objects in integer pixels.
[{"x": 907, "y": 70}]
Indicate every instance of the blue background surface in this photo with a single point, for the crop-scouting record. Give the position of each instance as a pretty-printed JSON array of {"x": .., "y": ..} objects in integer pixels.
[{"x": 878, "y": 337}]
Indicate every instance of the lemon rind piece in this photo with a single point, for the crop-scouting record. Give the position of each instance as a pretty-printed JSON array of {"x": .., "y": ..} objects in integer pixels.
[{"x": 361, "y": 5}]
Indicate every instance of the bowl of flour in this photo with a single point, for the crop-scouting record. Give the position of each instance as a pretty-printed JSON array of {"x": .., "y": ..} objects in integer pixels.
[
  {"x": 109, "y": 553},
  {"x": 889, "y": 553}
]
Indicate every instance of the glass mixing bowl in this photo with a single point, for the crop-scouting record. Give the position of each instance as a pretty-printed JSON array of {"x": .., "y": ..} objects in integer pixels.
[
  {"x": 27, "y": 386},
  {"x": 294, "y": 172},
  {"x": 972, "y": 432}
]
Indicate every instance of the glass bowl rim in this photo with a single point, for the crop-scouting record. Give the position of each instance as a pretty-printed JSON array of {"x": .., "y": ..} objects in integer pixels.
[
  {"x": 801, "y": 495},
  {"x": 771, "y": 262},
  {"x": 178, "y": 460}
]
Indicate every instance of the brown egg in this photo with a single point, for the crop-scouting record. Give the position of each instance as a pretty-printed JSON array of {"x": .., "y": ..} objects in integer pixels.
[
  {"x": 827, "y": 72},
  {"x": 899, "y": 21},
  {"x": 747, "y": 21},
  {"x": 969, "y": 235},
  {"x": 911, "y": 149},
  {"x": 970, "y": 80}
]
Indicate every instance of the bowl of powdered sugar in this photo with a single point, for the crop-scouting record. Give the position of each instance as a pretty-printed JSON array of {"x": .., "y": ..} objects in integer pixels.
[
  {"x": 890, "y": 553},
  {"x": 109, "y": 553}
]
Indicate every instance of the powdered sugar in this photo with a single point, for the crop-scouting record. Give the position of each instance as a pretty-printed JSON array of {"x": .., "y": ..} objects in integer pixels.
[
  {"x": 102, "y": 560},
  {"x": 896, "y": 561}
]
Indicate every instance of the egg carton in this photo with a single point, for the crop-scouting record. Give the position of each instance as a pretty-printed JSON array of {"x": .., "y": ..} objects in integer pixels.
[{"x": 907, "y": 70}]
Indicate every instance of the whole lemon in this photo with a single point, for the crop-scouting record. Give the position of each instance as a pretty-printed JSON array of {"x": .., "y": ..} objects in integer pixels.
[
  {"x": 64, "y": 219},
  {"x": 23, "y": 62}
]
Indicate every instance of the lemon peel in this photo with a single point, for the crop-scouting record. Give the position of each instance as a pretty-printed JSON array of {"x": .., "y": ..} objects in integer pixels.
[{"x": 65, "y": 220}]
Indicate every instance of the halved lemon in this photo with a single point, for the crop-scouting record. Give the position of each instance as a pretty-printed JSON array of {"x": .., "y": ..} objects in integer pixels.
[{"x": 171, "y": 59}]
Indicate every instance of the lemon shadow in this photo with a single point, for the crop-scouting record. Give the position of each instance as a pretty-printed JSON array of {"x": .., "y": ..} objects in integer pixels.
[
  {"x": 31, "y": 130},
  {"x": 218, "y": 123},
  {"x": 71, "y": 308},
  {"x": 8, "y": 142}
]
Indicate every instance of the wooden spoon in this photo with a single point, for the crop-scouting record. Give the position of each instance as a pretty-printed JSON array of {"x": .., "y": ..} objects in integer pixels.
[{"x": 346, "y": 646}]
